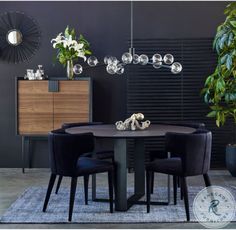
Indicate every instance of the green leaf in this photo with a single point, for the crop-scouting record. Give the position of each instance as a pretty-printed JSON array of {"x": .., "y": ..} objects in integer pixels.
[
  {"x": 230, "y": 39},
  {"x": 223, "y": 40},
  {"x": 229, "y": 62},
  {"x": 72, "y": 33},
  {"x": 220, "y": 84},
  {"x": 67, "y": 32},
  {"x": 233, "y": 23},
  {"x": 223, "y": 59},
  {"x": 212, "y": 114},
  {"x": 206, "y": 98}
]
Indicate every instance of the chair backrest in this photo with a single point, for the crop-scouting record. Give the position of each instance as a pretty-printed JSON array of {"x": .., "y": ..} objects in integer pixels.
[
  {"x": 65, "y": 149},
  {"x": 193, "y": 149},
  {"x": 77, "y": 124}
]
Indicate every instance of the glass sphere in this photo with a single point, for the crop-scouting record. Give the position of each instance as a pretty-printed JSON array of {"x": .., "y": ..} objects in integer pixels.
[
  {"x": 92, "y": 61},
  {"x": 112, "y": 60},
  {"x": 77, "y": 69},
  {"x": 136, "y": 59},
  {"x": 120, "y": 69},
  {"x": 143, "y": 59},
  {"x": 168, "y": 59},
  {"x": 156, "y": 58},
  {"x": 127, "y": 58},
  {"x": 176, "y": 67},
  {"x": 157, "y": 65},
  {"x": 111, "y": 68},
  {"x": 106, "y": 58}
]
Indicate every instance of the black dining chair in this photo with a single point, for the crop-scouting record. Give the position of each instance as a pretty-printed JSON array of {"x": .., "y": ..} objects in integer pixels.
[
  {"x": 65, "y": 160},
  {"x": 193, "y": 154},
  {"x": 163, "y": 154},
  {"x": 102, "y": 155}
]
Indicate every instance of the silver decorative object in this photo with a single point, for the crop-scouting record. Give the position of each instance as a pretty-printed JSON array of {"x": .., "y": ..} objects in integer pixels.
[{"x": 132, "y": 123}]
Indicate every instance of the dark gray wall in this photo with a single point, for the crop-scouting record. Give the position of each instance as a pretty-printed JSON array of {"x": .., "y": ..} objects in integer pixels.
[{"x": 106, "y": 25}]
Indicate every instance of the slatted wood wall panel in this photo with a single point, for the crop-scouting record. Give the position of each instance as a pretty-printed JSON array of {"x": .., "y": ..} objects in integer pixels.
[{"x": 164, "y": 97}]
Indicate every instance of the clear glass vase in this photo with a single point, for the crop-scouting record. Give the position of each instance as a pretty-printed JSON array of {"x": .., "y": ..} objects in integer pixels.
[{"x": 69, "y": 69}]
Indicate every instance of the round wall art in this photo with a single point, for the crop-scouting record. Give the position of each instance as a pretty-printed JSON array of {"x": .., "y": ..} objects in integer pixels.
[{"x": 19, "y": 37}]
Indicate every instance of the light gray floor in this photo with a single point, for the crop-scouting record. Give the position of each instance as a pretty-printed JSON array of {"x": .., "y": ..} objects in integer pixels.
[{"x": 13, "y": 183}]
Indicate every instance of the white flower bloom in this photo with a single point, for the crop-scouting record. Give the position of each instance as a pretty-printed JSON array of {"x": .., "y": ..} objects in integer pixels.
[
  {"x": 58, "y": 40},
  {"x": 82, "y": 55},
  {"x": 78, "y": 46}
]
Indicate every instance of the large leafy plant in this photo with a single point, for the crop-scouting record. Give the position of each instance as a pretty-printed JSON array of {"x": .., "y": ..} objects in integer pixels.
[
  {"x": 220, "y": 87},
  {"x": 69, "y": 47}
]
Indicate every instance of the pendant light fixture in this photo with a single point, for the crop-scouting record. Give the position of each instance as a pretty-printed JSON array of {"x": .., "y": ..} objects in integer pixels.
[{"x": 114, "y": 66}]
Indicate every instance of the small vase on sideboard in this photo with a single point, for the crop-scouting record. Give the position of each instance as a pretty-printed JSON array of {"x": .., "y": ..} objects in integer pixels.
[{"x": 69, "y": 70}]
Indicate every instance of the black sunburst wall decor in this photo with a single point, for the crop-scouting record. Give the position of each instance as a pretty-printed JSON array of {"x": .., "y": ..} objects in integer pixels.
[{"x": 20, "y": 37}]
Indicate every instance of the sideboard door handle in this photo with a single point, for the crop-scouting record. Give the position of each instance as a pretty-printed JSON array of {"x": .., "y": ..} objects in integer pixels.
[{"x": 53, "y": 86}]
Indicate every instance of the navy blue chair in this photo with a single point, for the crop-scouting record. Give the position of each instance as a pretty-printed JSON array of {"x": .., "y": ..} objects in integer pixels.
[
  {"x": 192, "y": 158},
  {"x": 164, "y": 154},
  {"x": 102, "y": 155},
  {"x": 66, "y": 159}
]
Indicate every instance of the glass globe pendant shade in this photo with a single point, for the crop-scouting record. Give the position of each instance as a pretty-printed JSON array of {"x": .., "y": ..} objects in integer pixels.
[
  {"x": 156, "y": 58},
  {"x": 168, "y": 59},
  {"x": 136, "y": 59},
  {"x": 77, "y": 69},
  {"x": 176, "y": 68},
  {"x": 157, "y": 65},
  {"x": 111, "y": 68},
  {"x": 92, "y": 61},
  {"x": 106, "y": 58},
  {"x": 112, "y": 60},
  {"x": 120, "y": 69},
  {"x": 127, "y": 58},
  {"x": 143, "y": 59}
]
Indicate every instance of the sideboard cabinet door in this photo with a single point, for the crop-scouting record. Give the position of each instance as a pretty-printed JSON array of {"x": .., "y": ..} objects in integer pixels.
[
  {"x": 35, "y": 107},
  {"x": 71, "y": 102}
]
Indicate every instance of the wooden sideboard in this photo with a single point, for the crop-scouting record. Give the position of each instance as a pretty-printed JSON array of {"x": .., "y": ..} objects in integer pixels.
[{"x": 44, "y": 105}]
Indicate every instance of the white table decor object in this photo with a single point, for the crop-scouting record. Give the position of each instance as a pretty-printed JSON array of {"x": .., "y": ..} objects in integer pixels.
[{"x": 133, "y": 123}]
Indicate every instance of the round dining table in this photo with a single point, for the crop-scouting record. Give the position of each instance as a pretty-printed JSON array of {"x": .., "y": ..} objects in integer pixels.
[{"x": 122, "y": 202}]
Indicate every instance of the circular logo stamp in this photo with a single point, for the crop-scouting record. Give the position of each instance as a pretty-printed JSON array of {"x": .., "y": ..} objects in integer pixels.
[{"x": 214, "y": 207}]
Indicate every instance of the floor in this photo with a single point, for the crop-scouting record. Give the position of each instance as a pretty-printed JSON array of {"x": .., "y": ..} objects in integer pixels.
[{"x": 13, "y": 183}]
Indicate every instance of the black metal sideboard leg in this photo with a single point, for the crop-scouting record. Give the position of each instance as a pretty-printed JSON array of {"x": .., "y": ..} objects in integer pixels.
[
  {"x": 23, "y": 153},
  {"x": 24, "y": 145},
  {"x": 94, "y": 180}
]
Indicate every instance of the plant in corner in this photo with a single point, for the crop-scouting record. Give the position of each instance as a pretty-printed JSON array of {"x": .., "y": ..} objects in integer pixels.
[
  {"x": 69, "y": 49},
  {"x": 220, "y": 87}
]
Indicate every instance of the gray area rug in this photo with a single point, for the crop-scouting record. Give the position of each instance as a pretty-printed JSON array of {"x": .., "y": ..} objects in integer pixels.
[{"x": 28, "y": 208}]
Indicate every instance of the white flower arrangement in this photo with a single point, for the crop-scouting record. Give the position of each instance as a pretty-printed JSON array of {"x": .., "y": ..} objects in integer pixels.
[{"x": 70, "y": 48}]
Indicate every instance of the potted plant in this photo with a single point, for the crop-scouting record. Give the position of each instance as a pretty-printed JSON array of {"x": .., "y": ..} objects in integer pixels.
[
  {"x": 70, "y": 49},
  {"x": 220, "y": 87}
]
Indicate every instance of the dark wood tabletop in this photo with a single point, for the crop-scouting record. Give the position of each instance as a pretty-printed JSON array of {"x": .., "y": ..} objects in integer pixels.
[{"x": 110, "y": 131}]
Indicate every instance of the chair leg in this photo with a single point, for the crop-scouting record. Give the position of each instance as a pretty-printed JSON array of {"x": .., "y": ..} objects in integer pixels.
[
  {"x": 49, "y": 190},
  {"x": 86, "y": 181},
  {"x": 72, "y": 196},
  {"x": 152, "y": 181},
  {"x": 175, "y": 179},
  {"x": 181, "y": 190},
  {"x": 178, "y": 182},
  {"x": 110, "y": 185},
  {"x": 58, "y": 184},
  {"x": 207, "y": 180},
  {"x": 148, "y": 188},
  {"x": 185, "y": 193}
]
